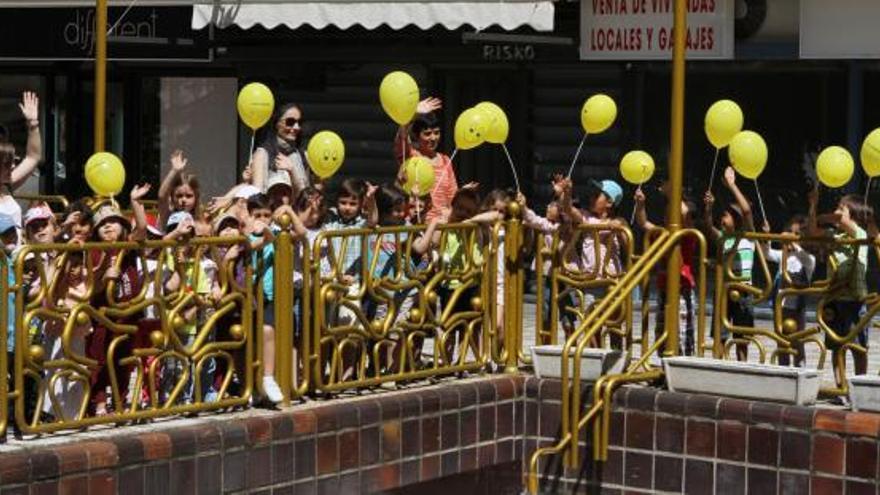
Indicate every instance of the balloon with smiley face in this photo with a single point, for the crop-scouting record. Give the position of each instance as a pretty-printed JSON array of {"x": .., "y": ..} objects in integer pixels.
[
  {"x": 471, "y": 128},
  {"x": 498, "y": 124},
  {"x": 325, "y": 152},
  {"x": 598, "y": 113}
]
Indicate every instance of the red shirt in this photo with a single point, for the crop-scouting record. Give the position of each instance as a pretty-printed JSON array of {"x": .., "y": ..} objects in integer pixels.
[{"x": 688, "y": 253}]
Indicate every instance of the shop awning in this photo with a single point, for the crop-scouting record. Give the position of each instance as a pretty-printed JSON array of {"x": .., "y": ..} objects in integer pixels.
[
  {"x": 397, "y": 14},
  {"x": 372, "y": 14}
]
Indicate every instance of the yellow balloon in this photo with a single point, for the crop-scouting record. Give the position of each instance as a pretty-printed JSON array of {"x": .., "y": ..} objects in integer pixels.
[
  {"x": 105, "y": 174},
  {"x": 598, "y": 113},
  {"x": 834, "y": 166},
  {"x": 325, "y": 152},
  {"x": 419, "y": 172},
  {"x": 748, "y": 154},
  {"x": 637, "y": 167},
  {"x": 870, "y": 154},
  {"x": 724, "y": 119},
  {"x": 399, "y": 96},
  {"x": 471, "y": 129},
  {"x": 499, "y": 127},
  {"x": 255, "y": 105}
]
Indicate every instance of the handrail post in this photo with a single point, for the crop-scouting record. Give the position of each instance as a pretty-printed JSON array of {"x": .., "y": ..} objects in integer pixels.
[
  {"x": 100, "y": 73},
  {"x": 673, "y": 211},
  {"x": 283, "y": 274},
  {"x": 513, "y": 285}
]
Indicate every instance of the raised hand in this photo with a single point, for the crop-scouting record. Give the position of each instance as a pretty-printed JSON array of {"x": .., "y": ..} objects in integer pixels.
[
  {"x": 709, "y": 199},
  {"x": 371, "y": 191},
  {"x": 640, "y": 196},
  {"x": 178, "y": 161},
  {"x": 30, "y": 107},
  {"x": 471, "y": 185},
  {"x": 429, "y": 105},
  {"x": 247, "y": 175},
  {"x": 139, "y": 192},
  {"x": 730, "y": 177}
]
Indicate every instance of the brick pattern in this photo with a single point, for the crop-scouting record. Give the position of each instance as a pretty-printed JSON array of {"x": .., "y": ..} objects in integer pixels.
[
  {"x": 477, "y": 434},
  {"x": 342, "y": 446},
  {"x": 664, "y": 442}
]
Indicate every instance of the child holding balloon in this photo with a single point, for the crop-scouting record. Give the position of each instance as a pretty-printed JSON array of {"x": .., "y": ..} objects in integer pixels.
[
  {"x": 843, "y": 310},
  {"x": 737, "y": 217}
]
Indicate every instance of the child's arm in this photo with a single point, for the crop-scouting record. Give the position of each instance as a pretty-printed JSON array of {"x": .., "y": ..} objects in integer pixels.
[
  {"x": 371, "y": 212},
  {"x": 30, "y": 110},
  {"x": 139, "y": 232},
  {"x": 259, "y": 168},
  {"x": 730, "y": 182},
  {"x": 426, "y": 240},
  {"x": 812, "y": 218},
  {"x": 641, "y": 215},
  {"x": 178, "y": 163},
  {"x": 267, "y": 236},
  {"x": 709, "y": 202},
  {"x": 296, "y": 225},
  {"x": 485, "y": 217}
]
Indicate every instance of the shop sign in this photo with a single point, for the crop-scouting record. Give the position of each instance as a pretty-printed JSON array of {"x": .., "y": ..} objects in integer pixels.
[
  {"x": 508, "y": 52},
  {"x": 642, "y": 29},
  {"x": 144, "y": 33}
]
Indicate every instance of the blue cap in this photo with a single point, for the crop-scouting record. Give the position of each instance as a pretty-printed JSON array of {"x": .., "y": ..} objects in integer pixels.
[
  {"x": 6, "y": 223},
  {"x": 612, "y": 190}
]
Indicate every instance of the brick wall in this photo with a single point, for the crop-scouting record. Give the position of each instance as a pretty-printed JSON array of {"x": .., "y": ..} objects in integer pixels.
[
  {"x": 684, "y": 443},
  {"x": 463, "y": 437},
  {"x": 345, "y": 446}
]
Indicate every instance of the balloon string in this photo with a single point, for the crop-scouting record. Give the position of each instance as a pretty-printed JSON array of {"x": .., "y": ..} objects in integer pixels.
[
  {"x": 418, "y": 202},
  {"x": 452, "y": 156},
  {"x": 576, "y": 155},
  {"x": 760, "y": 201},
  {"x": 632, "y": 218},
  {"x": 253, "y": 137},
  {"x": 512, "y": 167},
  {"x": 714, "y": 163},
  {"x": 867, "y": 191}
]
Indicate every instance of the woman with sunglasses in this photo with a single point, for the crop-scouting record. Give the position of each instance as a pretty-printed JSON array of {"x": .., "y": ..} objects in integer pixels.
[
  {"x": 420, "y": 138},
  {"x": 280, "y": 151}
]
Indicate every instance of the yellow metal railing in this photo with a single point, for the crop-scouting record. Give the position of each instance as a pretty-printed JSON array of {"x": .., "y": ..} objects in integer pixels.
[
  {"x": 607, "y": 309},
  {"x": 790, "y": 340},
  {"x": 88, "y": 320}
]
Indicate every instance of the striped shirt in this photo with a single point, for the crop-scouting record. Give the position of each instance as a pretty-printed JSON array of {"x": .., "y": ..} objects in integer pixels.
[{"x": 743, "y": 259}]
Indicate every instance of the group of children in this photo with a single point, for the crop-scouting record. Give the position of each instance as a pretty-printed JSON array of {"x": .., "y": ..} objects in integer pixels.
[{"x": 376, "y": 294}]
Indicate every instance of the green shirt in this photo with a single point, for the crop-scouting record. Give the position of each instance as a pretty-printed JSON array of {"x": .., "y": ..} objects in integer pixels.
[{"x": 850, "y": 279}]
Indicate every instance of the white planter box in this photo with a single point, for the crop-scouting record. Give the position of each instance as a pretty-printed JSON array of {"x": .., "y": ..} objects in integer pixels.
[
  {"x": 754, "y": 381},
  {"x": 594, "y": 363},
  {"x": 864, "y": 393}
]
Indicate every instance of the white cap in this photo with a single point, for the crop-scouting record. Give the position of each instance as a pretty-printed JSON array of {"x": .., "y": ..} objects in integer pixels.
[{"x": 246, "y": 191}]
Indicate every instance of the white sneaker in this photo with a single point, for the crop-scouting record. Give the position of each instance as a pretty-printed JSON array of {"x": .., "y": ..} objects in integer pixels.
[{"x": 271, "y": 389}]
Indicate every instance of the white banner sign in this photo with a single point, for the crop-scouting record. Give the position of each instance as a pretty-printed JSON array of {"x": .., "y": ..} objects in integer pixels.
[
  {"x": 840, "y": 29},
  {"x": 642, "y": 29}
]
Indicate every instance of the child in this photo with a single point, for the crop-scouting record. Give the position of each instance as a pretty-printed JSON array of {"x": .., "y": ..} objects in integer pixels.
[
  {"x": 687, "y": 283},
  {"x": 64, "y": 396},
  {"x": 77, "y": 225},
  {"x": 799, "y": 265},
  {"x": 192, "y": 273},
  {"x": 388, "y": 266},
  {"x": 848, "y": 287},
  {"x": 737, "y": 217},
  {"x": 179, "y": 190},
  {"x": 111, "y": 226},
  {"x": 259, "y": 228}
]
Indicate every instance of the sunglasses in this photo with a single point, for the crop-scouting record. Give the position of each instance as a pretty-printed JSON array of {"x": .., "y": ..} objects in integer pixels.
[{"x": 290, "y": 122}]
